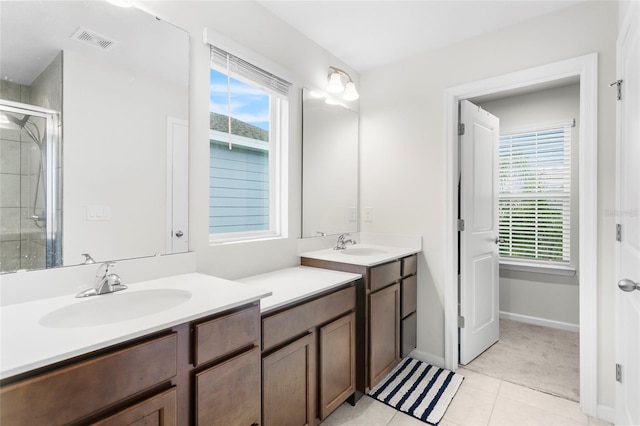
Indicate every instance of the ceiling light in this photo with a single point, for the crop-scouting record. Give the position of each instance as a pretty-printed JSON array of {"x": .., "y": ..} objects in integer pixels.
[{"x": 335, "y": 84}]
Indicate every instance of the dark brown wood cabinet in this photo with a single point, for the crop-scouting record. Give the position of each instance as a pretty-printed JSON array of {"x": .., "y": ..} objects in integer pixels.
[
  {"x": 408, "y": 311},
  {"x": 308, "y": 358},
  {"x": 90, "y": 385},
  {"x": 226, "y": 393},
  {"x": 384, "y": 332},
  {"x": 289, "y": 383},
  {"x": 158, "y": 410},
  {"x": 227, "y": 374},
  {"x": 337, "y": 363},
  {"x": 385, "y": 317},
  {"x": 206, "y": 372}
]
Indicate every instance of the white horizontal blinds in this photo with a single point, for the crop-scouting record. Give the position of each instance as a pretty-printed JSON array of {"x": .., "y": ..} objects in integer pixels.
[
  {"x": 535, "y": 194},
  {"x": 220, "y": 59}
]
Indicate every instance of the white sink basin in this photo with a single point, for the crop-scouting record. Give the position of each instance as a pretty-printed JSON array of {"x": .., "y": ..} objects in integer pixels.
[
  {"x": 362, "y": 251},
  {"x": 114, "y": 307}
]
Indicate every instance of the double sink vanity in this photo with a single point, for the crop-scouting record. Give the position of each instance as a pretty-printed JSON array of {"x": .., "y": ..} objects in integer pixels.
[
  {"x": 285, "y": 347},
  {"x": 176, "y": 347}
]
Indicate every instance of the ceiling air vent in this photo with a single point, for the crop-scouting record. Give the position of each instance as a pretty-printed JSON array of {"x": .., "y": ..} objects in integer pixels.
[{"x": 94, "y": 39}]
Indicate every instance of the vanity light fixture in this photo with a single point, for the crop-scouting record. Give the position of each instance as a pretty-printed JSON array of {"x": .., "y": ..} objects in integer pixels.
[{"x": 335, "y": 84}]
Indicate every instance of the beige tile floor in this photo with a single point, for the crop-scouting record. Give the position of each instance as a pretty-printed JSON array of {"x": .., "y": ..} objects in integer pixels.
[{"x": 481, "y": 400}]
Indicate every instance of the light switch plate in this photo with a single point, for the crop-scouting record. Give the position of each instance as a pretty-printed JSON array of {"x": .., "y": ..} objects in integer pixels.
[{"x": 368, "y": 214}]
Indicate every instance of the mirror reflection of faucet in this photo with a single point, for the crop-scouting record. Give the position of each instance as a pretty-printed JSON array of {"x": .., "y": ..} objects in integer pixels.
[
  {"x": 107, "y": 282},
  {"x": 343, "y": 240}
]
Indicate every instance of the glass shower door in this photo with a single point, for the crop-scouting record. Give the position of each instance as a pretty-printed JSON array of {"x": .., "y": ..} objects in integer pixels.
[{"x": 29, "y": 204}]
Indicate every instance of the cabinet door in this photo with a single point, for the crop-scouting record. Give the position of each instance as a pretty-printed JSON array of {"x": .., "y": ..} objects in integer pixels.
[
  {"x": 288, "y": 384},
  {"x": 229, "y": 393},
  {"x": 384, "y": 332},
  {"x": 409, "y": 290},
  {"x": 337, "y": 363},
  {"x": 409, "y": 333},
  {"x": 158, "y": 410}
]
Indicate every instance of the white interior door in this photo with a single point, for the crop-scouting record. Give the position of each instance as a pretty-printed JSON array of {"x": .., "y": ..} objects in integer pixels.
[
  {"x": 177, "y": 185},
  {"x": 478, "y": 241},
  {"x": 628, "y": 209}
]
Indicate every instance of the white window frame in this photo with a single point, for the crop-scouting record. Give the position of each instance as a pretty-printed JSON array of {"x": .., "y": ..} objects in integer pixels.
[
  {"x": 565, "y": 268},
  {"x": 278, "y": 170}
]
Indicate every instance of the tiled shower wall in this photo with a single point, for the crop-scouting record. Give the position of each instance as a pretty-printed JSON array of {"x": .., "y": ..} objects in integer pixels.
[{"x": 22, "y": 242}]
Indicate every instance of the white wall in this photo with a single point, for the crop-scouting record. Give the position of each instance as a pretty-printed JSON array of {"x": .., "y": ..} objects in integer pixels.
[
  {"x": 403, "y": 133},
  {"x": 115, "y": 155},
  {"x": 249, "y": 28},
  {"x": 543, "y": 296}
]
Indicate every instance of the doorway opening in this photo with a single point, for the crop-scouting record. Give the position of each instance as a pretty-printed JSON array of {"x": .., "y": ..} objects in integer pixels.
[
  {"x": 537, "y": 243},
  {"x": 585, "y": 69}
]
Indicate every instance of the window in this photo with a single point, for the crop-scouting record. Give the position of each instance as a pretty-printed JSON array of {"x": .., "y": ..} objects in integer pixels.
[
  {"x": 247, "y": 139},
  {"x": 535, "y": 196}
]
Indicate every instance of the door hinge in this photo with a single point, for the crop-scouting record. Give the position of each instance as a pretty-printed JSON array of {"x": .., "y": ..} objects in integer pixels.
[
  {"x": 460, "y": 129},
  {"x": 460, "y": 225},
  {"x": 460, "y": 321},
  {"x": 618, "y": 373},
  {"x": 618, "y": 84},
  {"x": 618, "y": 232}
]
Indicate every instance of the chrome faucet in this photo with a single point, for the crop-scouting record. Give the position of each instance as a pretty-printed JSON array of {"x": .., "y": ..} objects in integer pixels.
[
  {"x": 343, "y": 240},
  {"x": 107, "y": 282}
]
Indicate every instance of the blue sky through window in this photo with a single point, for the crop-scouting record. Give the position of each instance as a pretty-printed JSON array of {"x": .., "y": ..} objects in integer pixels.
[{"x": 248, "y": 103}]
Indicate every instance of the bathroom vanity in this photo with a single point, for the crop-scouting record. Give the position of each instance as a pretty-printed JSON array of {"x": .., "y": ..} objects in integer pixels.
[
  {"x": 196, "y": 363},
  {"x": 287, "y": 347},
  {"x": 386, "y": 300},
  {"x": 308, "y": 343}
]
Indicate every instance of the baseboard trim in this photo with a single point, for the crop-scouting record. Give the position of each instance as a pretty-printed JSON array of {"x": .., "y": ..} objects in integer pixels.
[
  {"x": 540, "y": 321},
  {"x": 432, "y": 359},
  {"x": 606, "y": 413}
]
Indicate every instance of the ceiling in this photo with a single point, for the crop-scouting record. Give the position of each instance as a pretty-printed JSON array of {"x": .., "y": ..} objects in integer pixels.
[
  {"x": 32, "y": 34},
  {"x": 370, "y": 34}
]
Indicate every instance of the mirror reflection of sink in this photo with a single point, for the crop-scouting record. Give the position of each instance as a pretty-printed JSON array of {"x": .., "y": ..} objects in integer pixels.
[
  {"x": 115, "y": 307},
  {"x": 362, "y": 251}
]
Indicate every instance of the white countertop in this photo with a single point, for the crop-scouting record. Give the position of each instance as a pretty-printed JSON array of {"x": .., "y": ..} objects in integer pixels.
[
  {"x": 295, "y": 284},
  {"x": 379, "y": 254},
  {"x": 25, "y": 344}
]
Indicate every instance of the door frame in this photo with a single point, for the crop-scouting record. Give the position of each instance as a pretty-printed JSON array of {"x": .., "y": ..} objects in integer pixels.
[
  {"x": 586, "y": 67},
  {"x": 174, "y": 180},
  {"x": 631, "y": 20}
]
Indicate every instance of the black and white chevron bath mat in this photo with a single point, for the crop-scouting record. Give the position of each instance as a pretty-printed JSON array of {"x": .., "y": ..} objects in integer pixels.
[{"x": 418, "y": 389}]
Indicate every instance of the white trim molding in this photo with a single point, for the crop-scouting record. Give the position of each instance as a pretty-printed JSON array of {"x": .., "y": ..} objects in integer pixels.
[
  {"x": 606, "y": 413},
  {"x": 540, "y": 321},
  {"x": 586, "y": 68},
  {"x": 427, "y": 357}
]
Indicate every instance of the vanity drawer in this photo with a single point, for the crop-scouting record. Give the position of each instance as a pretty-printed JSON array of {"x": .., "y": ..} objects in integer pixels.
[
  {"x": 285, "y": 325},
  {"x": 69, "y": 393},
  {"x": 409, "y": 294},
  {"x": 384, "y": 275},
  {"x": 161, "y": 409},
  {"x": 409, "y": 265},
  {"x": 223, "y": 335}
]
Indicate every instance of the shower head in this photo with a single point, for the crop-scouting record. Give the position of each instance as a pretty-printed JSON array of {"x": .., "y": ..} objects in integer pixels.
[
  {"x": 22, "y": 123},
  {"x": 14, "y": 119}
]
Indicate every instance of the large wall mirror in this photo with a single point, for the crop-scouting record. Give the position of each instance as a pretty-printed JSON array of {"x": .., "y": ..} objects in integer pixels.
[
  {"x": 329, "y": 167},
  {"x": 94, "y": 98}
]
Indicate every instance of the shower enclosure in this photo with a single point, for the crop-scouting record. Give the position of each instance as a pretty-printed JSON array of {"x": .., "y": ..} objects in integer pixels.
[{"x": 30, "y": 200}]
